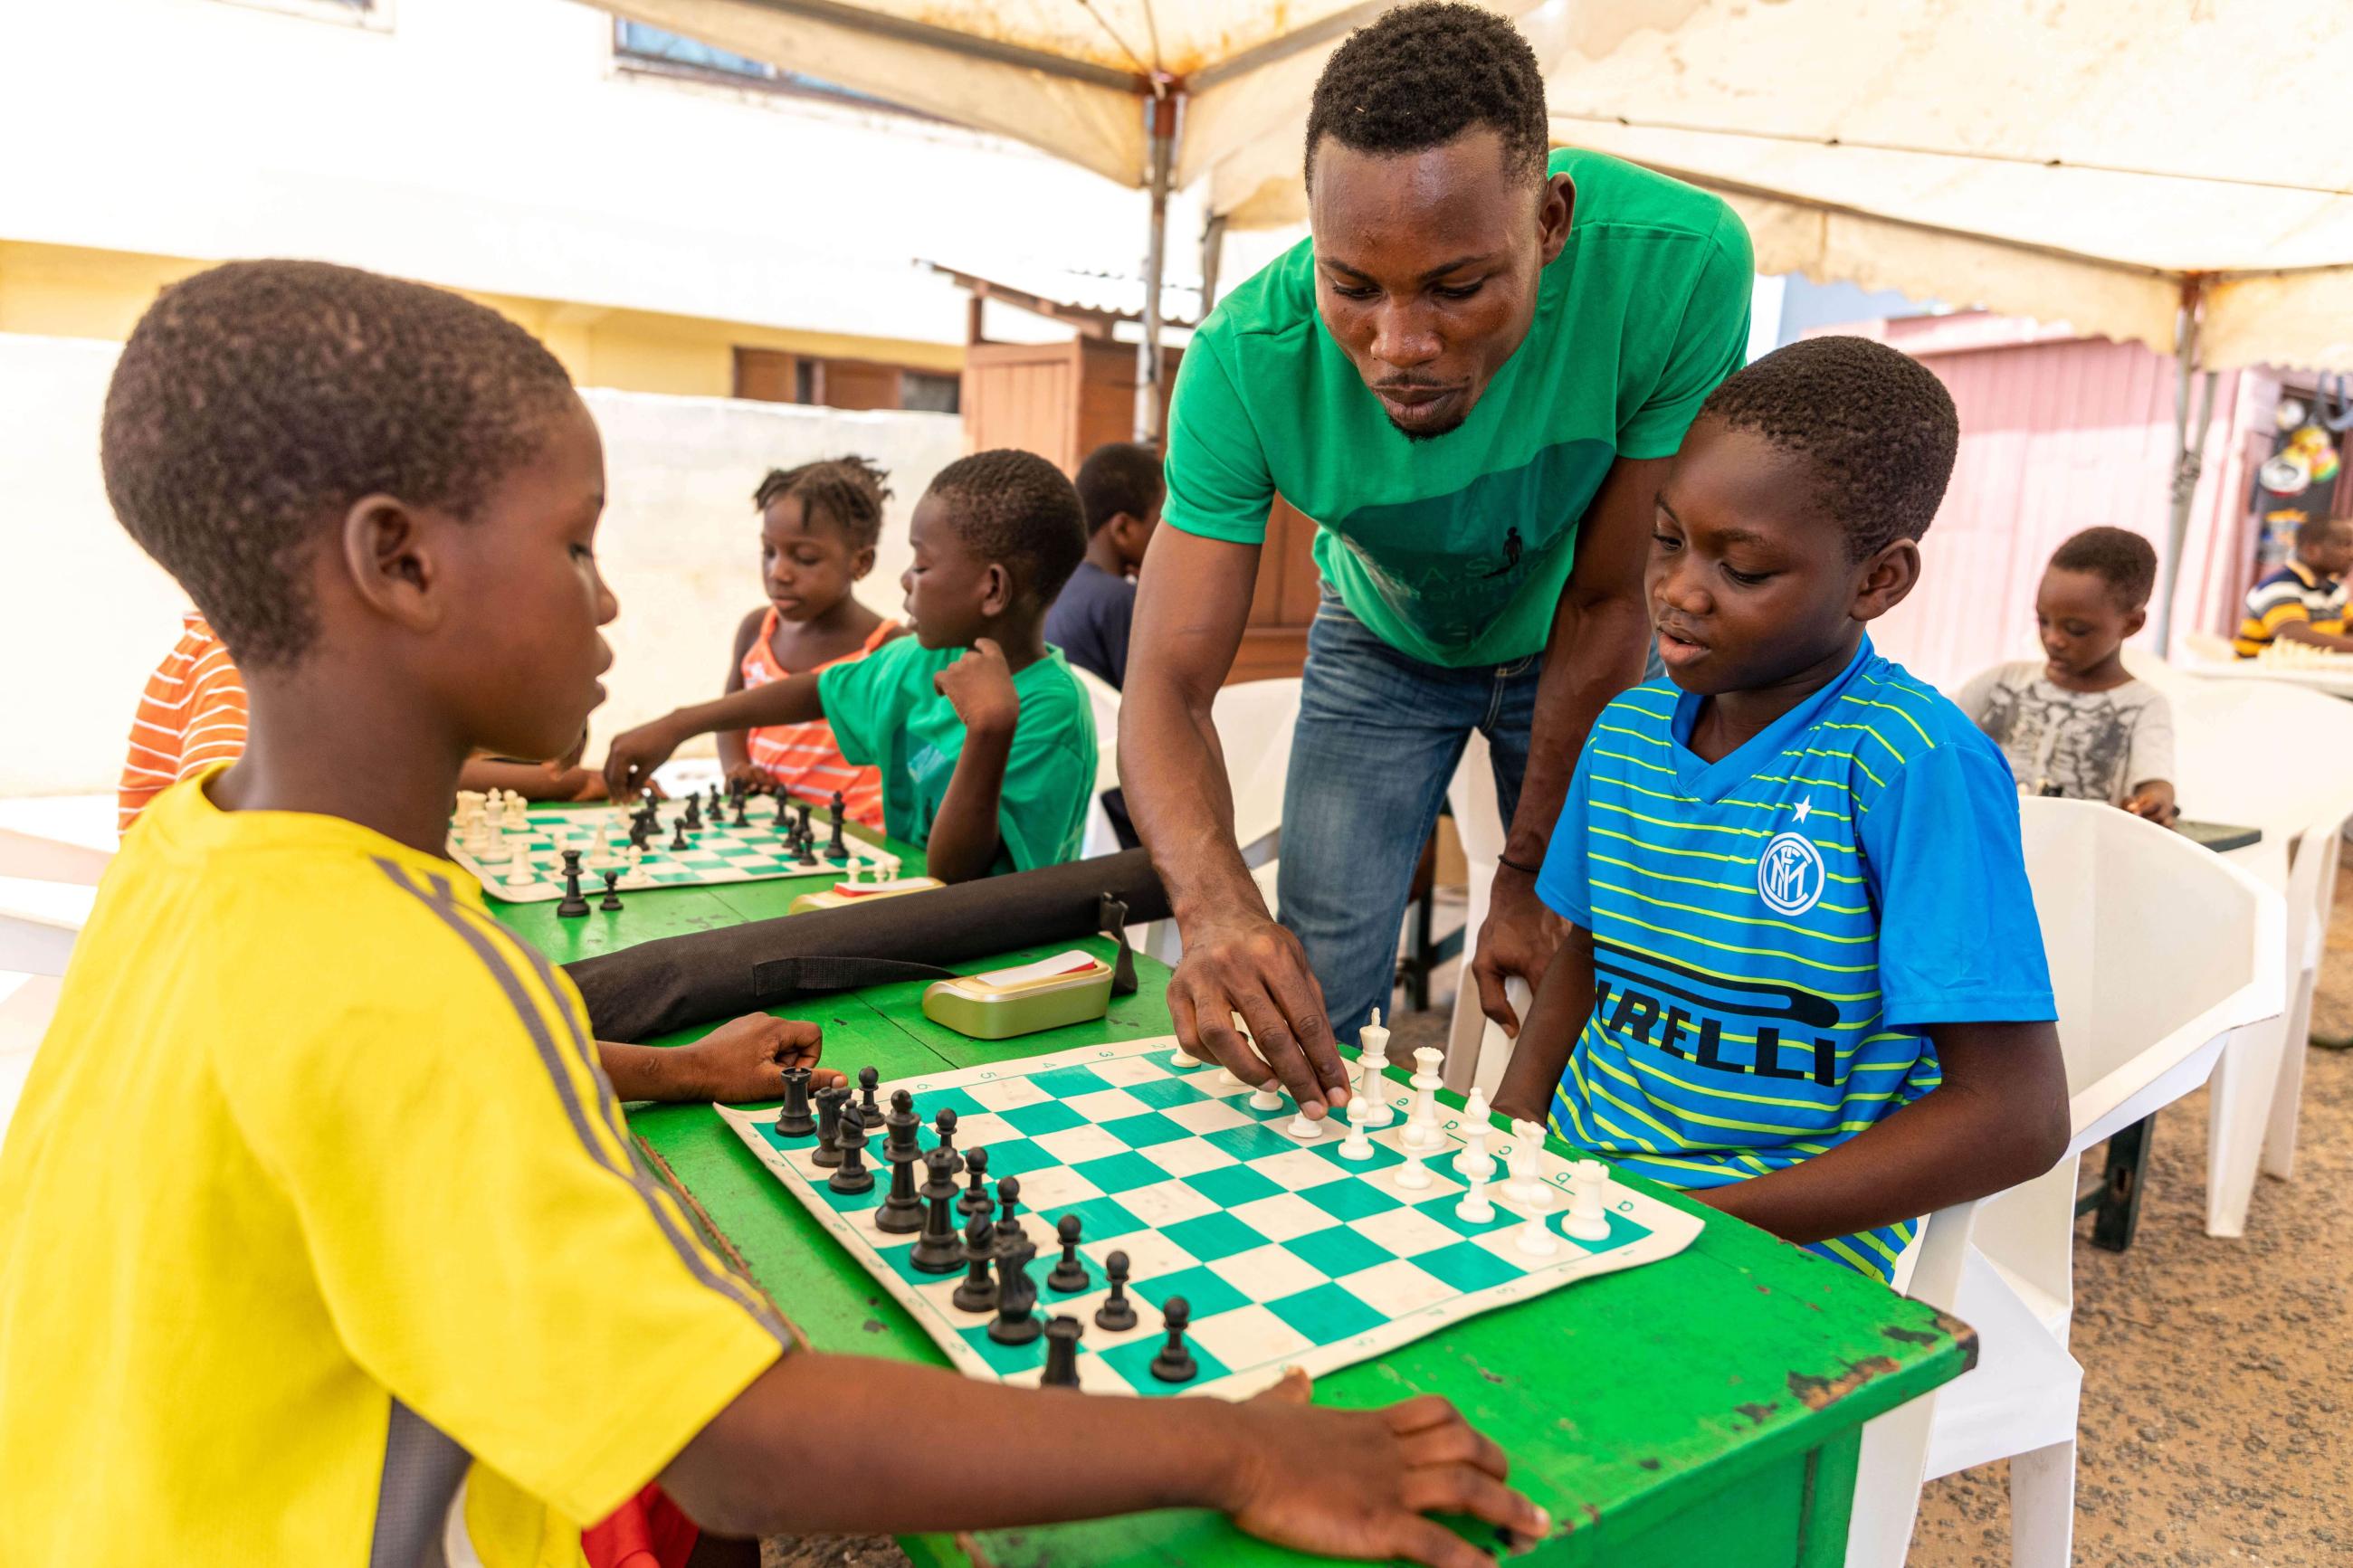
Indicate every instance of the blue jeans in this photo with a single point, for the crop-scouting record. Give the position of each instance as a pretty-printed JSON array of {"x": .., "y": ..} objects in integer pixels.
[{"x": 1379, "y": 737}]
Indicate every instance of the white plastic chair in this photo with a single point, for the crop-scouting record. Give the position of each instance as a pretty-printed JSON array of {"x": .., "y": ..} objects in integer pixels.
[
  {"x": 2277, "y": 757},
  {"x": 1476, "y": 1049},
  {"x": 2159, "y": 951},
  {"x": 1254, "y": 720},
  {"x": 2173, "y": 680},
  {"x": 47, "y": 887},
  {"x": 2205, "y": 647},
  {"x": 1103, "y": 696}
]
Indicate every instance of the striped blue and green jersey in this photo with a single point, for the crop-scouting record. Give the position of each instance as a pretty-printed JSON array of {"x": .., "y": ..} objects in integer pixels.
[{"x": 1775, "y": 933}]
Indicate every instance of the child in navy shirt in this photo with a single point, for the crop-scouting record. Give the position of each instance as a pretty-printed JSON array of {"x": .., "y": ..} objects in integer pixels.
[
  {"x": 1803, "y": 975},
  {"x": 1121, "y": 490}
]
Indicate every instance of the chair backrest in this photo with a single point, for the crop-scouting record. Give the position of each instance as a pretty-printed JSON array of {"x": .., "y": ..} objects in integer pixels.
[
  {"x": 2205, "y": 647},
  {"x": 2172, "y": 679},
  {"x": 1254, "y": 721},
  {"x": 2155, "y": 945},
  {"x": 2266, "y": 753},
  {"x": 1102, "y": 697}
]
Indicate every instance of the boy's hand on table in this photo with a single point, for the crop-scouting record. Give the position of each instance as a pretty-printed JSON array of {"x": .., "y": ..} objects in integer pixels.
[
  {"x": 744, "y": 1060},
  {"x": 629, "y": 766},
  {"x": 979, "y": 687},
  {"x": 1357, "y": 1483},
  {"x": 2154, "y": 801},
  {"x": 576, "y": 784},
  {"x": 754, "y": 778}
]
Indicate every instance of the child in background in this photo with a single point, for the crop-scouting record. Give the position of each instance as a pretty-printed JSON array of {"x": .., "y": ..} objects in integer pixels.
[
  {"x": 1803, "y": 975},
  {"x": 986, "y": 743},
  {"x": 2079, "y": 724},
  {"x": 1121, "y": 490},
  {"x": 318, "y": 1148},
  {"x": 2304, "y": 601},
  {"x": 819, "y": 526},
  {"x": 191, "y": 716}
]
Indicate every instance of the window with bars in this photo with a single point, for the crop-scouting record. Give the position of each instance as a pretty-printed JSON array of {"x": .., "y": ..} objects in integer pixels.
[
  {"x": 638, "y": 46},
  {"x": 775, "y": 376}
]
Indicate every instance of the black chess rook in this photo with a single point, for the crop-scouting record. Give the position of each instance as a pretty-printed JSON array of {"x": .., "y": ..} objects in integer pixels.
[
  {"x": 1062, "y": 1353},
  {"x": 795, "y": 1121}
]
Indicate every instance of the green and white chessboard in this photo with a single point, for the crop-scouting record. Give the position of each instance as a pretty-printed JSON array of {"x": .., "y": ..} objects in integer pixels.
[
  {"x": 1286, "y": 1254},
  {"x": 717, "y": 853}
]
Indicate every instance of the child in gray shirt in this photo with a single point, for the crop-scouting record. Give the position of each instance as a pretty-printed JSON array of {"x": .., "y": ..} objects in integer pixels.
[{"x": 2078, "y": 724}]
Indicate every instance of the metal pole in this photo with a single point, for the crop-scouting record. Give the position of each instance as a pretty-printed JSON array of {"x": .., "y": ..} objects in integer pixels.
[
  {"x": 1213, "y": 246},
  {"x": 2188, "y": 454},
  {"x": 1148, "y": 403}
]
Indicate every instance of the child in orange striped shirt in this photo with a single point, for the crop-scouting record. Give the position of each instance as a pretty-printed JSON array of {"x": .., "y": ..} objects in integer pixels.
[
  {"x": 819, "y": 526},
  {"x": 192, "y": 715}
]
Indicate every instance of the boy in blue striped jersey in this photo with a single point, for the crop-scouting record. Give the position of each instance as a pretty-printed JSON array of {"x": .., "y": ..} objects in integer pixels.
[{"x": 1803, "y": 975}]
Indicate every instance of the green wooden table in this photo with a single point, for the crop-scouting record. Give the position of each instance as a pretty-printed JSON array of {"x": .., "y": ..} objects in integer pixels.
[{"x": 1704, "y": 1409}]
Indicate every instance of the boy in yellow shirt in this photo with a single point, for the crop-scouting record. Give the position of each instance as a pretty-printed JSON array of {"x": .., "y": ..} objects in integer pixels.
[{"x": 321, "y": 1241}]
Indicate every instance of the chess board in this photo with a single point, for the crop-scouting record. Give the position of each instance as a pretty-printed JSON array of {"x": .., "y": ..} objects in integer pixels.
[
  {"x": 1286, "y": 1254},
  {"x": 718, "y": 853}
]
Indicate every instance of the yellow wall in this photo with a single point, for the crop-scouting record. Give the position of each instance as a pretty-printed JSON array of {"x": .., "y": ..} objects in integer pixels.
[{"x": 65, "y": 292}]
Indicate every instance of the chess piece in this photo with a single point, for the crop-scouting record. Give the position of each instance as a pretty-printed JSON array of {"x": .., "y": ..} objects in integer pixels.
[
  {"x": 714, "y": 806},
  {"x": 851, "y": 1177},
  {"x": 1304, "y": 1128},
  {"x": 1266, "y": 1099},
  {"x": 829, "y": 1101},
  {"x": 1475, "y": 1208},
  {"x": 784, "y": 822},
  {"x": 1016, "y": 1295},
  {"x": 1588, "y": 1217},
  {"x": 1421, "y": 1126},
  {"x": 1413, "y": 1176},
  {"x": 1069, "y": 1276},
  {"x": 1535, "y": 1238},
  {"x": 937, "y": 1250},
  {"x": 1008, "y": 1202},
  {"x": 978, "y": 1291},
  {"x": 1372, "y": 1062},
  {"x": 838, "y": 848},
  {"x": 903, "y": 1123},
  {"x": 1062, "y": 1353},
  {"x": 1182, "y": 1060},
  {"x": 869, "y": 1081},
  {"x": 902, "y": 1212},
  {"x": 1174, "y": 1363},
  {"x": 741, "y": 818},
  {"x": 1525, "y": 1164},
  {"x": 574, "y": 907},
  {"x": 975, "y": 1202},
  {"x": 678, "y": 842},
  {"x": 692, "y": 821},
  {"x": 1117, "y": 1314},
  {"x": 795, "y": 1121},
  {"x": 611, "y": 902},
  {"x": 944, "y": 1128},
  {"x": 1356, "y": 1145}
]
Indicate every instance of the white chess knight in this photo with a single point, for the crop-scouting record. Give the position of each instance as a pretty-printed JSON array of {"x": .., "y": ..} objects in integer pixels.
[
  {"x": 1356, "y": 1145},
  {"x": 1372, "y": 1058},
  {"x": 1588, "y": 1218},
  {"x": 1421, "y": 1127}
]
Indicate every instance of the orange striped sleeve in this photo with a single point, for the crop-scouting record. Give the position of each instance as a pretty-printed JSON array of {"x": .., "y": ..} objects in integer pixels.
[{"x": 191, "y": 715}]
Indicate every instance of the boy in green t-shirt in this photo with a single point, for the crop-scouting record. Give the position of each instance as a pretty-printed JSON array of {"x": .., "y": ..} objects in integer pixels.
[{"x": 986, "y": 743}]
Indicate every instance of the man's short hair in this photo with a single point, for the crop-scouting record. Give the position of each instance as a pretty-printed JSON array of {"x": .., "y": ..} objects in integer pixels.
[
  {"x": 2122, "y": 559},
  {"x": 848, "y": 491},
  {"x": 1016, "y": 508},
  {"x": 1876, "y": 426},
  {"x": 2313, "y": 532},
  {"x": 1424, "y": 74},
  {"x": 256, "y": 402},
  {"x": 1120, "y": 477}
]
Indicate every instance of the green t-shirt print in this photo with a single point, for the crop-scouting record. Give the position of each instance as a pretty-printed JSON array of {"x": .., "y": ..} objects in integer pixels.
[
  {"x": 886, "y": 714},
  {"x": 1454, "y": 551}
]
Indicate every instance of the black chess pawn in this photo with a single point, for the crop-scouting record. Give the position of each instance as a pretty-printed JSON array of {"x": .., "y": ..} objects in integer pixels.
[
  {"x": 829, "y": 1101},
  {"x": 837, "y": 849},
  {"x": 741, "y": 818},
  {"x": 870, "y": 1081},
  {"x": 714, "y": 806},
  {"x": 678, "y": 843},
  {"x": 573, "y": 906},
  {"x": 1069, "y": 1276},
  {"x": 612, "y": 899},
  {"x": 1009, "y": 1205},
  {"x": 784, "y": 823},
  {"x": 1016, "y": 1295},
  {"x": 902, "y": 1212},
  {"x": 1117, "y": 1314},
  {"x": 974, "y": 1203},
  {"x": 937, "y": 1251},
  {"x": 851, "y": 1177},
  {"x": 978, "y": 1291},
  {"x": 944, "y": 1127},
  {"x": 795, "y": 1121},
  {"x": 1062, "y": 1353},
  {"x": 1174, "y": 1363},
  {"x": 692, "y": 820}
]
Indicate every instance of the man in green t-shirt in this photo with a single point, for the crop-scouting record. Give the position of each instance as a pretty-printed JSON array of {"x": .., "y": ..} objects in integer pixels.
[{"x": 1472, "y": 377}]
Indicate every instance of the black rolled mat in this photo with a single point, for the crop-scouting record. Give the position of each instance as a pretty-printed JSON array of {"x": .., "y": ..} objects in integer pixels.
[{"x": 702, "y": 976}]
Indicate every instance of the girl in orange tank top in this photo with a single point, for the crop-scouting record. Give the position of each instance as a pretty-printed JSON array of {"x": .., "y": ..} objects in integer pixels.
[{"x": 818, "y": 527}]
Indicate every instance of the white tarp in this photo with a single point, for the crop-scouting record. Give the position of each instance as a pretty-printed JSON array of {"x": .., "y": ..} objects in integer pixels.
[{"x": 2069, "y": 162}]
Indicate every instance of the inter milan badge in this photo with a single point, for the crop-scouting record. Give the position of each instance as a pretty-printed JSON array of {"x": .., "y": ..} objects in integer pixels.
[{"x": 1789, "y": 874}]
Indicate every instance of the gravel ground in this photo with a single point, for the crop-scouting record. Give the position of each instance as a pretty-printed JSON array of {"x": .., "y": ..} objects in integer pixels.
[{"x": 2215, "y": 1427}]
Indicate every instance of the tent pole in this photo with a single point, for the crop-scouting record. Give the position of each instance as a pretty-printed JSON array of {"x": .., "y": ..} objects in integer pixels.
[
  {"x": 1213, "y": 246},
  {"x": 1149, "y": 400},
  {"x": 2188, "y": 454}
]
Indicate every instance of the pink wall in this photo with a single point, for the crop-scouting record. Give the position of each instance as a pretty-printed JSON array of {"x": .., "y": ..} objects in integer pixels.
[{"x": 2057, "y": 434}]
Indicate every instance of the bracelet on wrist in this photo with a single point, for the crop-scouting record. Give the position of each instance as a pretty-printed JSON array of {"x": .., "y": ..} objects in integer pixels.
[{"x": 1525, "y": 869}]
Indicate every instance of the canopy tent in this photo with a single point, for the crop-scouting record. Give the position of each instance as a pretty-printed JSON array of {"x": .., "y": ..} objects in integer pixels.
[{"x": 2146, "y": 170}]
